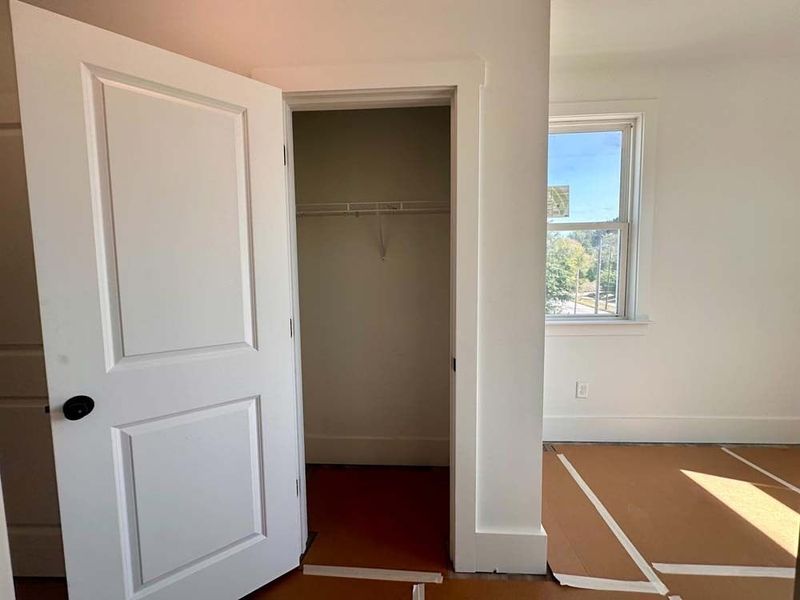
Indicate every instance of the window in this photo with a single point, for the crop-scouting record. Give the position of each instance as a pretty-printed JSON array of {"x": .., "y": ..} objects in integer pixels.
[{"x": 589, "y": 208}]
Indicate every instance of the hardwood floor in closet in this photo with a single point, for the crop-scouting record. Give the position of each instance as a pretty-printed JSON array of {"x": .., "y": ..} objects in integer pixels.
[{"x": 379, "y": 517}]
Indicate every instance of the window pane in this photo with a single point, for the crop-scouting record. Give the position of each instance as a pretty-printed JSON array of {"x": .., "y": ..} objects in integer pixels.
[
  {"x": 583, "y": 177},
  {"x": 574, "y": 260}
]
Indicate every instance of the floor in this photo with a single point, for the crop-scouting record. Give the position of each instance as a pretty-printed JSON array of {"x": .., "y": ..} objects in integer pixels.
[
  {"x": 675, "y": 504},
  {"x": 382, "y": 517}
]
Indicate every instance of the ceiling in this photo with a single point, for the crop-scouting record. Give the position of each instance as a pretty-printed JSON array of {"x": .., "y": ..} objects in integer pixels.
[
  {"x": 584, "y": 32},
  {"x": 639, "y": 31}
]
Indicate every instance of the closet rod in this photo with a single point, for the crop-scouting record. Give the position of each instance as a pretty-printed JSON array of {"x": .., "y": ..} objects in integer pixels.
[{"x": 371, "y": 208}]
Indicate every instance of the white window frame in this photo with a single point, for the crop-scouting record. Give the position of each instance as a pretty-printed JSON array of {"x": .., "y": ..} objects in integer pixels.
[
  {"x": 622, "y": 225},
  {"x": 637, "y": 207}
]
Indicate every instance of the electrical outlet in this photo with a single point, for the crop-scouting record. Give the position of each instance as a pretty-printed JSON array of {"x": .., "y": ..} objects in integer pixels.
[{"x": 581, "y": 389}]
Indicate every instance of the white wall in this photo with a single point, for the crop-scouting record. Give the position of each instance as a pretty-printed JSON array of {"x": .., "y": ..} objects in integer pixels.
[
  {"x": 512, "y": 38},
  {"x": 720, "y": 361},
  {"x": 375, "y": 333}
]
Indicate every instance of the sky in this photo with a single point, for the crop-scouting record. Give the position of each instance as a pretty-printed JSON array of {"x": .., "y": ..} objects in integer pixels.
[{"x": 589, "y": 163}]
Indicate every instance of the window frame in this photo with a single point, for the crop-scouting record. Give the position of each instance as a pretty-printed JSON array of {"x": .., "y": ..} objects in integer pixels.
[{"x": 629, "y": 125}]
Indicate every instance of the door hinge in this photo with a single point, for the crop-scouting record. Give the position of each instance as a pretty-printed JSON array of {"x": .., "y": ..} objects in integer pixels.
[
  {"x": 291, "y": 327},
  {"x": 284, "y": 155},
  {"x": 297, "y": 487},
  {"x": 454, "y": 363}
]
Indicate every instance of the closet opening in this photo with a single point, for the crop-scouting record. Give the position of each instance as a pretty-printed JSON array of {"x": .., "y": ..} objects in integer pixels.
[{"x": 371, "y": 190}]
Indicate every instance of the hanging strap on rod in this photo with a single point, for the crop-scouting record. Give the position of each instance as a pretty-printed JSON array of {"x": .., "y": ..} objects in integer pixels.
[
  {"x": 381, "y": 241},
  {"x": 371, "y": 208}
]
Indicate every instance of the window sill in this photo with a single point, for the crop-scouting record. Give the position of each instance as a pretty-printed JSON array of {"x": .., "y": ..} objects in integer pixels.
[{"x": 586, "y": 327}]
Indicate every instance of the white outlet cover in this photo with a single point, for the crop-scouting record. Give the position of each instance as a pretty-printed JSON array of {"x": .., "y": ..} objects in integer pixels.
[{"x": 581, "y": 389}]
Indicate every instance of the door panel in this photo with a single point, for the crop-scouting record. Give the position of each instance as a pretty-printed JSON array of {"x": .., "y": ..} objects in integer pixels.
[
  {"x": 195, "y": 146},
  {"x": 164, "y": 494},
  {"x": 158, "y": 207}
]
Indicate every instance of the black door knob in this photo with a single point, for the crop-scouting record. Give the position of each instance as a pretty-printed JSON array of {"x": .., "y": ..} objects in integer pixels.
[{"x": 77, "y": 407}]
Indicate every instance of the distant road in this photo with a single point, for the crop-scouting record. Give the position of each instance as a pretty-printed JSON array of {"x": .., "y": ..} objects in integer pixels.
[{"x": 569, "y": 309}]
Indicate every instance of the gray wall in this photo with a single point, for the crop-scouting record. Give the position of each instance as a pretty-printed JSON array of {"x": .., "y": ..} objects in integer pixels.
[{"x": 375, "y": 333}]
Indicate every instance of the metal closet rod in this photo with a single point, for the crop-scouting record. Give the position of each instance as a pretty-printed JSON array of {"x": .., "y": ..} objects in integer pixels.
[{"x": 319, "y": 209}]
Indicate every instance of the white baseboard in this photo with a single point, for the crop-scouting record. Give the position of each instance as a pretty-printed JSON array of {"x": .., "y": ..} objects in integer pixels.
[
  {"x": 36, "y": 551},
  {"x": 357, "y": 450},
  {"x": 732, "y": 430},
  {"x": 499, "y": 552}
]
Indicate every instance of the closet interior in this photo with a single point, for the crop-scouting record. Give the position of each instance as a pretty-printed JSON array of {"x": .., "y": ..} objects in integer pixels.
[{"x": 372, "y": 196}]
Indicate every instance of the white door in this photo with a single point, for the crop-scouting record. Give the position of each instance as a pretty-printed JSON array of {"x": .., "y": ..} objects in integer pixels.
[{"x": 157, "y": 192}]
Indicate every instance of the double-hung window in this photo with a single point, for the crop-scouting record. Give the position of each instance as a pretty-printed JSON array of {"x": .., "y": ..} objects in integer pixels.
[{"x": 589, "y": 209}]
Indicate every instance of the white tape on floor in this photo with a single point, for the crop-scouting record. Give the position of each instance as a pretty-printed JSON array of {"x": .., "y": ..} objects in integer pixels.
[
  {"x": 674, "y": 598},
  {"x": 418, "y": 591},
  {"x": 379, "y": 574},
  {"x": 608, "y": 585},
  {"x": 784, "y": 483},
  {"x": 725, "y": 570},
  {"x": 643, "y": 565}
]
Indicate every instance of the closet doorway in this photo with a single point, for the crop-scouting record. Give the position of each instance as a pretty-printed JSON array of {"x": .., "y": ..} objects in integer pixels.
[{"x": 372, "y": 196}]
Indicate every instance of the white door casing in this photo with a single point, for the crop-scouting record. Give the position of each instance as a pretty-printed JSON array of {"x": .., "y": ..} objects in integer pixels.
[
  {"x": 370, "y": 85},
  {"x": 158, "y": 207}
]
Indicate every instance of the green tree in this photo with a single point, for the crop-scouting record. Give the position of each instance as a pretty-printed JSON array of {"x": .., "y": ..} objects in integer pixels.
[
  {"x": 567, "y": 265},
  {"x": 608, "y": 268}
]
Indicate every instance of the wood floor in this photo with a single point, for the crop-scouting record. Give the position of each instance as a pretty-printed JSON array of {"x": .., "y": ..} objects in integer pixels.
[
  {"x": 296, "y": 586},
  {"x": 677, "y": 505},
  {"x": 381, "y": 517},
  {"x": 394, "y": 517}
]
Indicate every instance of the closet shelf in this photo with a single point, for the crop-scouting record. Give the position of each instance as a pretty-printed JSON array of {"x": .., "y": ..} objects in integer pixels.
[{"x": 371, "y": 208}]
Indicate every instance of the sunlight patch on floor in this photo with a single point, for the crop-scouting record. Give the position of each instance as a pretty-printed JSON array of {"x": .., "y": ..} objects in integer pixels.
[{"x": 770, "y": 516}]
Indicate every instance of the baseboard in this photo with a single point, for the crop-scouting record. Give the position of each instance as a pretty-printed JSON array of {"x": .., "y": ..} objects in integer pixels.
[
  {"x": 36, "y": 551},
  {"x": 357, "y": 450},
  {"x": 500, "y": 552},
  {"x": 732, "y": 430}
]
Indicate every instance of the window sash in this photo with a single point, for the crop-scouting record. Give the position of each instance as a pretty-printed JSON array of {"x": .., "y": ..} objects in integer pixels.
[
  {"x": 623, "y": 224},
  {"x": 622, "y": 261},
  {"x": 585, "y": 225}
]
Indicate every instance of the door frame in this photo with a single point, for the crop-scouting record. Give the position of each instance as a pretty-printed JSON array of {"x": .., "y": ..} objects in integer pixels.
[{"x": 457, "y": 84}]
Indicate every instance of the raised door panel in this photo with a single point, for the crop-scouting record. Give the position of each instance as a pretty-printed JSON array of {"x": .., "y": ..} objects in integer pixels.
[
  {"x": 191, "y": 489},
  {"x": 172, "y": 216}
]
